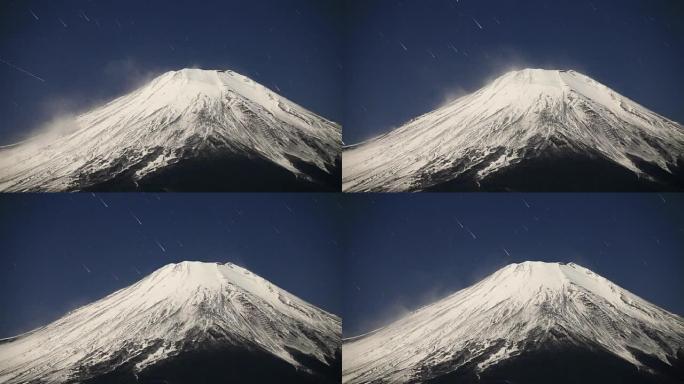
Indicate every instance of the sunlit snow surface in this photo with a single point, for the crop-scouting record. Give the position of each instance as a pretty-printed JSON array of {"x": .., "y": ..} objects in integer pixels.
[
  {"x": 177, "y": 115},
  {"x": 518, "y": 115},
  {"x": 527, "y": 302},
  {"x": 171, "y": 310}
]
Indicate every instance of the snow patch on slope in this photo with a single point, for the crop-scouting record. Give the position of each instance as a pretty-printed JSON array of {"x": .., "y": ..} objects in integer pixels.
[
  {"x": 524, "y": 303},
  {"x": 180, "y": 114},
  {"x": 176, "y": 308},
  {"x": 520, "y": 114}
]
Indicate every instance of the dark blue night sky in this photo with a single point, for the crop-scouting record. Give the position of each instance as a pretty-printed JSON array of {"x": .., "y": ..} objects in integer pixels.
[
  {"x": 85, "y": 52},
  {"x": 405, "y": 58},
  {"x": 61, "y": 251},
  {"x": 403, "y": 251},
  {"x": 342, "y": 59}
]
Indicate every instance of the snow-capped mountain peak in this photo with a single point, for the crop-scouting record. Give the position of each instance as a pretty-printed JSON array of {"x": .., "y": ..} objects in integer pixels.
[
  {"x": 530, "y": 280},
  {"x": 518, "y": 309},
  {"x": 178, "y": 116},
  {"x": 183, "y": 88},
  {"x": 526, "y": 88},
  {"x": 179, "y": 308},
  {"x": 522, "y": 115}
]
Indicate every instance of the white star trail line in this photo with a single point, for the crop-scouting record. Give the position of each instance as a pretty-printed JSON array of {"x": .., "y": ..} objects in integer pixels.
[{"x": 22, "y": 70}]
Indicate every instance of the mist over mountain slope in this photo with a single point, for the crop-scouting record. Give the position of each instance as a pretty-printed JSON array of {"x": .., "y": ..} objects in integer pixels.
[
  {"x": 533, "y": 130},
  {"x": 190, "y": 129},
  {"x": 531, "y": 322},
  {"x": 184, "y": 323}
]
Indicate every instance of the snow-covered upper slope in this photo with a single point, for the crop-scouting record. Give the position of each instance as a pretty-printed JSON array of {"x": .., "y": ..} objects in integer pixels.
[
  {"x": 173, "y": 309},
  {"x": 519, "y": 115},
  {"x": 177, "y": 115},
  {"x": 520, "y": 303}
]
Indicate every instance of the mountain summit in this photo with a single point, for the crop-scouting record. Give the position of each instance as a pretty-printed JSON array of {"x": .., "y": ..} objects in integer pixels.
[
  {"x": 531, "y": 322},
  {"x": 190, "y": 129},
  {"x": 532, "y": 129},
  {"x": 185, "y": 322}
]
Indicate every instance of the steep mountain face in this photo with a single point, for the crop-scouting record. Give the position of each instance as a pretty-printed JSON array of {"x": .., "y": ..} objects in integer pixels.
[
  {"x": 185, "y": 130},
  {"x": 535, "y": 130},
  {"x": 185, "y": 323},
  {"x": 531, "y": 322}
]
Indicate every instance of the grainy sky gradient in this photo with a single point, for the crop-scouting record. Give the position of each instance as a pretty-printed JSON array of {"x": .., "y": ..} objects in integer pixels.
[
  {"x": 370, "y": 65},
  {"x": 405, "y": 58},
  {"x": 61, "y": 251},
  {"x": 89, "y": 51},
  {"x": 403, "y": 251}
]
